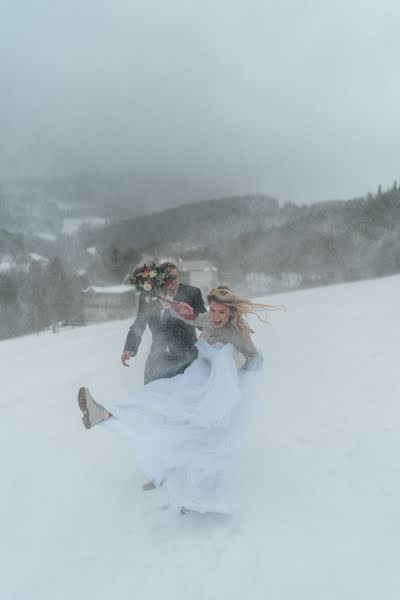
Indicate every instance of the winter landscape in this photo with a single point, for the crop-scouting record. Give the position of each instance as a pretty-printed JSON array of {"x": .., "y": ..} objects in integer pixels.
[
  {"x": 252, "y": 145},
  {"x": 318, "y": 501}
]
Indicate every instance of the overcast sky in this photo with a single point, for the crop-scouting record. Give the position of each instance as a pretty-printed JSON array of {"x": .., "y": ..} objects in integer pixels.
[{"x": 298, "y": 99}]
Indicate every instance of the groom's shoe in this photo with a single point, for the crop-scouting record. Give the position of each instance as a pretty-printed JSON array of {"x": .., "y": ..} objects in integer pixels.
[{"x": 93, "y": 413}]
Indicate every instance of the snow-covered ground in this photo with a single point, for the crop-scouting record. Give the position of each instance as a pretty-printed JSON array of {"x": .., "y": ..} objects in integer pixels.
[{"x": 319, "y": 505}]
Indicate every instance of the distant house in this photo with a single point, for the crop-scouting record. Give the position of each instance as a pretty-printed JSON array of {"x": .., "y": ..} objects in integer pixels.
[
  {"x": 105, "y": 303},
  {"x": 200, "y": 273},
  {"x": 291, "y": 281},
  {"x": 256, "y": 284}
]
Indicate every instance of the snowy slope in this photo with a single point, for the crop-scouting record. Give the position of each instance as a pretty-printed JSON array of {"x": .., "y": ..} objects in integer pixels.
[{"x": 319, "y": 515}]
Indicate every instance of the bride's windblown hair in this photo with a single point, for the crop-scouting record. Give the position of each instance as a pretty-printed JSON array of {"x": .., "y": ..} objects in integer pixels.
[{"x": 241, "y": 307}]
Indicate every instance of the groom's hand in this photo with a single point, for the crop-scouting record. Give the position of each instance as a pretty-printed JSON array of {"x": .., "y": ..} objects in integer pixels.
[{"x": 126, "y": 356}]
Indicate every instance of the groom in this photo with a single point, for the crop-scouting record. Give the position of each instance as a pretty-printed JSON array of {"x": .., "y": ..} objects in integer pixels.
[{"x": 173, "y": 347}]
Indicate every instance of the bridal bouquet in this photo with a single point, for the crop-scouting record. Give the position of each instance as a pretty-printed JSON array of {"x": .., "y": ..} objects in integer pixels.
[{"x": 150, "y": 278}]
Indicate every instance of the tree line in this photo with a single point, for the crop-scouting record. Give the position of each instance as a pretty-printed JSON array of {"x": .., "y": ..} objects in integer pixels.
[{"x": 46, "y": 296}]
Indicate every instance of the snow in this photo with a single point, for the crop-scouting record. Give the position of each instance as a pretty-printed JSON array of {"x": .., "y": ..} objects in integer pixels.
[
  {"x": 318, "y": 516},
  {"x": 7, "y": 265},
  {"x": 38, "y": 258}
]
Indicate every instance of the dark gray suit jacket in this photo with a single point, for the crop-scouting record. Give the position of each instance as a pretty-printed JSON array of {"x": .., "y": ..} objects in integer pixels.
[{"x": 173, "y": 347}]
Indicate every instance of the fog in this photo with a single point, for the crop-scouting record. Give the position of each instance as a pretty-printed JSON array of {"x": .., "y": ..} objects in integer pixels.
[{"x": 298, "y": 100}]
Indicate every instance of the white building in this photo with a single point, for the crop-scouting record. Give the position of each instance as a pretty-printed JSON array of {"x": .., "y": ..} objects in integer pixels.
[
  {"x": 105, "y": 303},
  {"x": 259, "y": 283},
  {"x": 291, "y": 281},
  {"x": 199, "y": 273}
]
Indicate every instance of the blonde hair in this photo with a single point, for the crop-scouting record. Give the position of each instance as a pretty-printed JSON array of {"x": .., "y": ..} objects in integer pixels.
[{"x": 241, "y": 307}]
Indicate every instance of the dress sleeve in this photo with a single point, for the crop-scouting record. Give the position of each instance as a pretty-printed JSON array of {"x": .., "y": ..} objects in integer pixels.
[
  {"x": 239, "y": 359},
  {"x": 244, "y": 353},
  {"x": 254, "y": 359}
]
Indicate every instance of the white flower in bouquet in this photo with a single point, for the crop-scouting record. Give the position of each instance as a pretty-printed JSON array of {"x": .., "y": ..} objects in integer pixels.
[
  {"x": 153, "y": 274},
  {"x": 147, "y": 287}
]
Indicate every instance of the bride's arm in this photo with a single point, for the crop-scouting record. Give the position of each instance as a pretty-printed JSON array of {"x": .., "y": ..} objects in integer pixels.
[{"x": 187, "y": 314}]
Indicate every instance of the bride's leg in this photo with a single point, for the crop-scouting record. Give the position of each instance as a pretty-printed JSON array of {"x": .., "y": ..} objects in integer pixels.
[{"x": 93, "y": 413}]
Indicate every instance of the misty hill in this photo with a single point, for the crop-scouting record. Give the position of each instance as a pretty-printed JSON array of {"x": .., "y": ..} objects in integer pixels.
[
  {"x": 324, "y": 242},
  {"x": 41, "y": 203},
  {"x": 334, "y": 241},
  {"x": 207, "y": 223}
]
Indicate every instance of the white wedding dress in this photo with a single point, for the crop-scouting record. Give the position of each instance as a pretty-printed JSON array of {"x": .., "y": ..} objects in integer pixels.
[{"x": 187, "y": 431}]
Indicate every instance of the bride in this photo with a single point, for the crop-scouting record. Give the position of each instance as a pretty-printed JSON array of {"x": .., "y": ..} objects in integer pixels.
[{"x": 187, "y": 430}]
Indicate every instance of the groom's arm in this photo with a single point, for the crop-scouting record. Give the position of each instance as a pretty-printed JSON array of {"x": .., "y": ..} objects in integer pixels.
[
  {"x": 184, "y": 312},
  {"x": 137, "y": 328},
  {"x": 197, "y": 302}
]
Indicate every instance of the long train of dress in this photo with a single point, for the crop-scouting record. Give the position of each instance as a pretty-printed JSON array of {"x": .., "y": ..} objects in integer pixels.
[{"x": 186, "y": 431}]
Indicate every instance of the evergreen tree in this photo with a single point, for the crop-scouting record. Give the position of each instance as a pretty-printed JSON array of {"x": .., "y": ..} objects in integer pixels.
[
  {"x": 61, "y": 296},
  {"x": 34, "y": 301}
]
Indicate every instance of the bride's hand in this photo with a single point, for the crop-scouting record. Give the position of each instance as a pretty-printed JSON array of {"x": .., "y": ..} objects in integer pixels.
[{"x": 185, "y": 309}]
